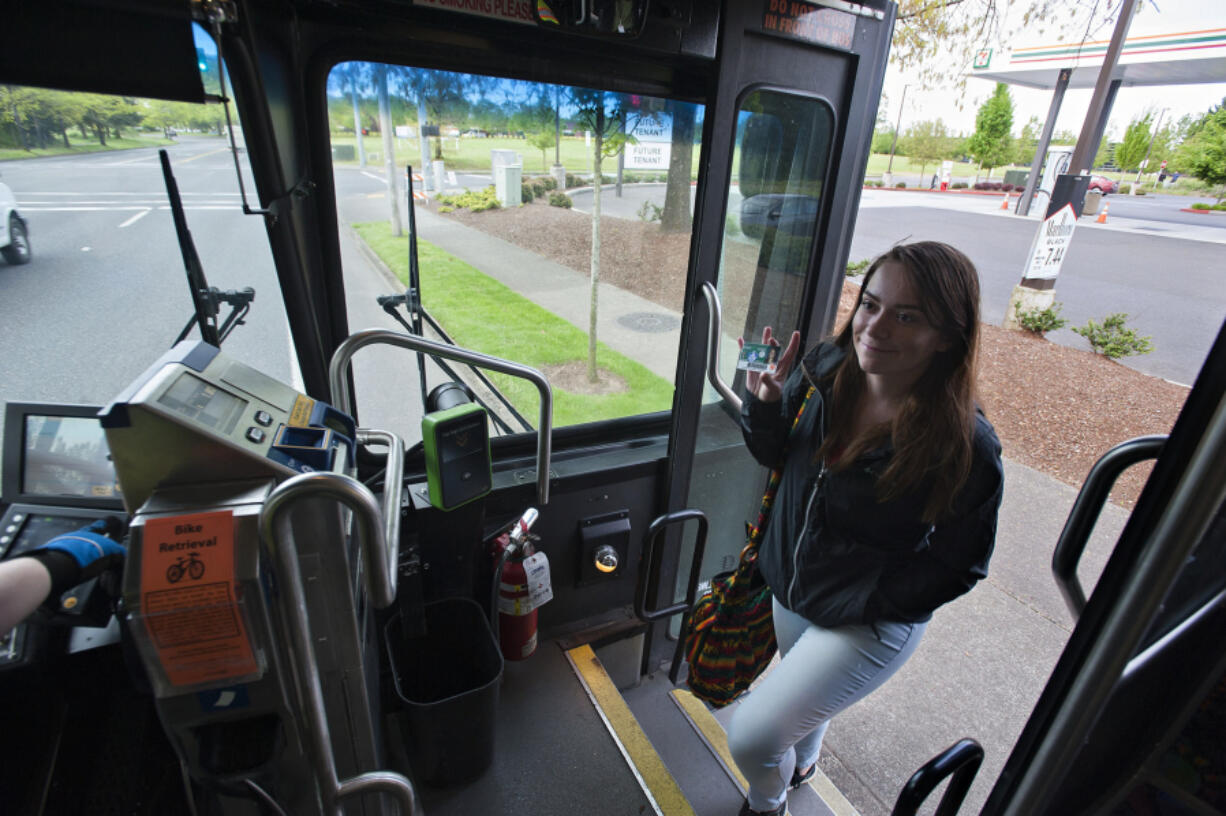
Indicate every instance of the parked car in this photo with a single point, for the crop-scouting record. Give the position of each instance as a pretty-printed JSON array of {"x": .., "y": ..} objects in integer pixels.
[
  {"x": 1104, "y": 185},
  {"x": 14, "y": 235},
  {"x": 791, "y": 213}
]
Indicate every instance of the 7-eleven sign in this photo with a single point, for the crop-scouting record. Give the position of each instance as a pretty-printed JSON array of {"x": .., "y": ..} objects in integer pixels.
[{"x": 983, "y": 58}]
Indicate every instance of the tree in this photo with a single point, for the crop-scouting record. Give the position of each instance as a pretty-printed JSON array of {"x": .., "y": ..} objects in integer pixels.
[
  {"x": 601, "y": 113},
  {"x": 1203, "y": 152},
  {"x": 676, "y": 215},
  {"x": 926, "y": 142},
  {"x": 542, "y": 140},
  {"x": 1028, "y": 142},
  {"x": 990, "y": 143},
  {"x": 928, "y": 32},
  {"x": 1131, "y": 151}
]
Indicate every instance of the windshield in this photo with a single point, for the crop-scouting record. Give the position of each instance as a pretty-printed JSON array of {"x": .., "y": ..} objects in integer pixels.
[{"x": 520, "y": 253}]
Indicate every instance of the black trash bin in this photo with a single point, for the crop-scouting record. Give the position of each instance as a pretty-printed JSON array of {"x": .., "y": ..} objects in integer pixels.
[{"x": 447, "y": 684}]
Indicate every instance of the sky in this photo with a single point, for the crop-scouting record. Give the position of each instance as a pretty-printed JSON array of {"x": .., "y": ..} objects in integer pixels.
[{"x": 1152, "y": 17}]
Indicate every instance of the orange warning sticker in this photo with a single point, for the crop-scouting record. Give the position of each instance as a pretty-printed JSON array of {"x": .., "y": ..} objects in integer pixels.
[
  {"x": 300, "y": 414},
  {"x": 189, "y": 598}
]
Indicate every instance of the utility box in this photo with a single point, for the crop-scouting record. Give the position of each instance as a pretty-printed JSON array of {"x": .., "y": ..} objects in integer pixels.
[
  {"x": 1017, "y": 177},
  {"x": 508, "y": 184},
  {"x": 1094, "y": 200}
]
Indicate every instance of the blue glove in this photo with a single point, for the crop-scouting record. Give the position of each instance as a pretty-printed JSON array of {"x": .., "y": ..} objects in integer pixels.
[{"x": 73, "y": 558}]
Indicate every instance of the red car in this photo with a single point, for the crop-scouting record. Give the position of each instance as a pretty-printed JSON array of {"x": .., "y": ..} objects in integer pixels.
[{"x": 1104, "y": 185}]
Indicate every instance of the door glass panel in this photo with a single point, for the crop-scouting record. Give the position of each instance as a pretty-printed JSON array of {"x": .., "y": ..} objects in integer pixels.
[
  {"x": 507, "y": 216},
  {"x": 782, "y": 151}
]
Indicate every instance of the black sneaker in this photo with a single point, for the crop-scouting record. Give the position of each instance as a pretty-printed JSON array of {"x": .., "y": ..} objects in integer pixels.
[
  {"x": 799, "y": 778},
  {"x": 746, "y": 810}
]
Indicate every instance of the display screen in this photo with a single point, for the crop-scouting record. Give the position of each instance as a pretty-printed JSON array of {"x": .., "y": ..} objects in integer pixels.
[
  {"x": 204, "y": 402},
  {"x": 66, "y": 456}
]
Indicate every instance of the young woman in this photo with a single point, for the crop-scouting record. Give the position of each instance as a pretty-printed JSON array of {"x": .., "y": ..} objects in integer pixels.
[{"x": 887, "y": 508}]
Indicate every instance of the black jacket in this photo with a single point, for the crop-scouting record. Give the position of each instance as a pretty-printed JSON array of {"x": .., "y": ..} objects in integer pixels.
[{"x": 860, "y": 560}]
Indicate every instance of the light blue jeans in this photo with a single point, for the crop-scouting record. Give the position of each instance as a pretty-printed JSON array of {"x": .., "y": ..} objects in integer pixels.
[{"x": 779, "y": 726}]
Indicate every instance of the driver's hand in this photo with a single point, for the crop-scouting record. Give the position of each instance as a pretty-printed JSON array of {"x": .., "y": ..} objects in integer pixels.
[
  {"x": 768, "y": 387},
  {"x": 74, "y": 557}
]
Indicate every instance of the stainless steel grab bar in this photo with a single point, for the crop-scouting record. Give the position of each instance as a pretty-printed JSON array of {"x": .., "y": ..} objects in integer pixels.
[
  {"x": 716, "y": 321},
  {"x": 393, "y": 492},
  {"x": 274, "y": 528},
  {"x": 343, "y": 399}
]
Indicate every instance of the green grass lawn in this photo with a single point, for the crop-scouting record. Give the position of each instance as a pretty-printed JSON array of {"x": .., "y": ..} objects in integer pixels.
[
  {"x": 483, "y": 315},
  {"x": 80, "y": 145},
  {"x": 467, "y": 153}
]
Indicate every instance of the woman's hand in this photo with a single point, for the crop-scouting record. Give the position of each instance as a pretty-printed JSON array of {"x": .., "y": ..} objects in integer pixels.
[{"x": 765, "y": 386}]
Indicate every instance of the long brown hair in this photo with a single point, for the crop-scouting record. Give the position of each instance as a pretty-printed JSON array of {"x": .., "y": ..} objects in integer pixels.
[{"x": 933, "y": 430}]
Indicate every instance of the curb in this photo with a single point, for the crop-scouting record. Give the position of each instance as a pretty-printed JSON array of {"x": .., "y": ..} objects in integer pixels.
[
  {"x": 993, "y": 193},
  {"x": 1201, "y": 212}
]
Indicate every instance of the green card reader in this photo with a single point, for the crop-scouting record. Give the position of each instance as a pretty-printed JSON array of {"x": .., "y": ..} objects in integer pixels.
[{"x": 457, "y": 446}]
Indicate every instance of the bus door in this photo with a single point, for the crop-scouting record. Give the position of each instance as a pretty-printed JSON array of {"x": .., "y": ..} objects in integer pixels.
[{"x": 798, "y": 91}]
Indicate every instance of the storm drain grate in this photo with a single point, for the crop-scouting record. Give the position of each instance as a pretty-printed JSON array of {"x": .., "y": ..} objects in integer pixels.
[{"x": 649, "y": 322}]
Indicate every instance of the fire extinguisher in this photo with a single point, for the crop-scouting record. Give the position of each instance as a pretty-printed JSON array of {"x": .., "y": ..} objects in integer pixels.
[{"x": 518, "y": 590}]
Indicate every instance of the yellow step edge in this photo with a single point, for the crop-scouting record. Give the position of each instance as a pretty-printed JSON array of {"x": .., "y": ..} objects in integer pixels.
[
  {"x": 657, "y": 783},
  {"x": 712, "y": 733}
]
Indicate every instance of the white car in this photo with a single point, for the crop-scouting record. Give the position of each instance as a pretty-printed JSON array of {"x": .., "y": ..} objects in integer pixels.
[{"x": 14, "y": 235}]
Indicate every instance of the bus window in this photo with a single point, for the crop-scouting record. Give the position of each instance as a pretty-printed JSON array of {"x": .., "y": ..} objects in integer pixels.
[
  {"x": 781, "y": 154},
  {"x": 507, "y": 214}
]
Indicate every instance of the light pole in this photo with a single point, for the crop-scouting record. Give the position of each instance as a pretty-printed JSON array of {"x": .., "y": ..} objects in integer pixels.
[{"x": 889, "y": 170}]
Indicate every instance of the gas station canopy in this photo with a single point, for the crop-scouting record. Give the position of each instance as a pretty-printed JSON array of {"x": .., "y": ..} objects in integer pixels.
[{"x": 1184, "y": 57}]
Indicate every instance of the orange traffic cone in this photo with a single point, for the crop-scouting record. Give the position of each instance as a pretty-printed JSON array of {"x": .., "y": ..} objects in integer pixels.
[
  {"x": 1102, "y": 216},
  {"x": 1004, "y": 205}
]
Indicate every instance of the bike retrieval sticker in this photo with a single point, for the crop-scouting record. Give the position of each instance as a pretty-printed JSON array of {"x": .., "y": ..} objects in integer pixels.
[
  {"x": 189, "y": 598},
  {"x": 540, "y": 590}
]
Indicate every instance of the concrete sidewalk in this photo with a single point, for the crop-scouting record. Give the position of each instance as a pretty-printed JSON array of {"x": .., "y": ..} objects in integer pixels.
[{"x": 986, "y": 656}]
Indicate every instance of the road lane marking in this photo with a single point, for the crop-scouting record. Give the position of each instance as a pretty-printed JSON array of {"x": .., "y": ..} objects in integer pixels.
[
  {"x": 373, "y": 176},
  {"x": 135, "y": 218},
  {"x": 202, "y": 155}
]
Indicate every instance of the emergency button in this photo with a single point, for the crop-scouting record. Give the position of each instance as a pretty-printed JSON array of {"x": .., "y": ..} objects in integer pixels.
[
  {"x": 263, "y": 418},
  {"x": 255, "y": 435}
]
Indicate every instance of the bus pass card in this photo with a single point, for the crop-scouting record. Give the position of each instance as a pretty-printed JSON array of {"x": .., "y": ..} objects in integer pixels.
[{"x": 758, "y": 357}]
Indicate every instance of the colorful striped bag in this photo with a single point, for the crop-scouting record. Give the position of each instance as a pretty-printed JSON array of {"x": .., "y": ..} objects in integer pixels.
[{"x": 731, "y": 634}]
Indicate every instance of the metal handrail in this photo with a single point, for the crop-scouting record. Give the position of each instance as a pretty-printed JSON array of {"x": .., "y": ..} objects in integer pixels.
[
  {"x": 393, "y": 493},
  {"x": 274, "y": 529},
  {"x": 343, "y": 399},
  {"x": 1086, "y": 510},
  {"x": 961, "y": 761},
  {"x": 691, "y": 594},
  {"x": 716, "y": 321}
]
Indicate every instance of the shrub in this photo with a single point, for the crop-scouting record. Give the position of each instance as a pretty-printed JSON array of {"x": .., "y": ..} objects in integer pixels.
[
  {"x": 1040, "y": 321},
  {"x": 560, "y": 200},
  {"x": 857, "y": 268},
  {"x": 1007, "y": 188},
  {"x": 958, "y": 185},
  {"x": 573, "y": 180},
  {"x": 550, "y": 183},
  {"x": 1200, "y": 205},
  {"x": 1111, "y": 339},
  {"x": 1124, "y": 189},
  {"x": 1221, "y": 205},
  {"x": 902, "y": 185},
  {"x": 650, "y": 211},
  {"x": 475, "y": 200}
]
